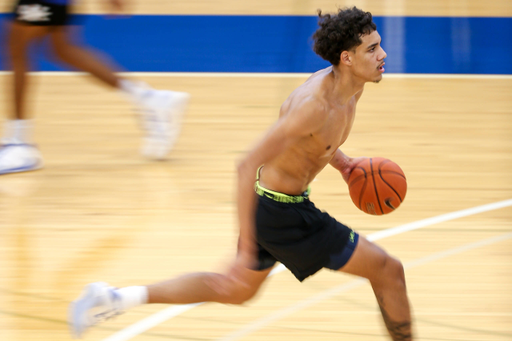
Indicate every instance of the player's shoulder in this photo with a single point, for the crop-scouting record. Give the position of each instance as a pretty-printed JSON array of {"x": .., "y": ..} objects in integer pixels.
[
  {"x": 317, "y": 105},
  {"x": 304, "y": 114},
  {"x": 305, "y": 103},
  {"x": 310, "y": 96}
]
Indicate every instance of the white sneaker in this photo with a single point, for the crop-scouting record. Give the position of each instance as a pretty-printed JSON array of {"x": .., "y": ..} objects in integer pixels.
[
  {"x": 162, "y": 113},
  {"x": 97, "y": 303},
  {"x": 19, "y": 157}
]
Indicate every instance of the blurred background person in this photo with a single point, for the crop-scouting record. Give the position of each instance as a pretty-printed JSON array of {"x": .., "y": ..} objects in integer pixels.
[{"x": 160, "y": 110}]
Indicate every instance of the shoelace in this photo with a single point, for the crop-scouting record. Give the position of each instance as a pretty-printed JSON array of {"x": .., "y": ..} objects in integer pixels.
[
  {"x": 107, "y": 315},
  {"x": 113, "y": 312}
]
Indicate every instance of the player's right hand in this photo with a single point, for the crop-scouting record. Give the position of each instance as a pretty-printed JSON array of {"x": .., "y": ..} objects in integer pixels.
[{"x": 350, "y": 165}]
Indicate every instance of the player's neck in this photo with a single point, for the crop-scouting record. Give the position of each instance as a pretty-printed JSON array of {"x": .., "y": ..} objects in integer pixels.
[{"x": 346, "y": 85}]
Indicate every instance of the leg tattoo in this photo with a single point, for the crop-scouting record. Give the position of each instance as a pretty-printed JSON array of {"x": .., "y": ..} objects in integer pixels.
[{"x": 399, "y": 331}]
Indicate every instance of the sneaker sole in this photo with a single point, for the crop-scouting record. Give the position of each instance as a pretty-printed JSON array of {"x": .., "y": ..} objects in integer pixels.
[{"x": 29, "y": 168}]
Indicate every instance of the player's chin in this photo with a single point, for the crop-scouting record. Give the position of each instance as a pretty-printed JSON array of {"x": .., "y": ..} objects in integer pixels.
[{"x": 377, "y": 79}]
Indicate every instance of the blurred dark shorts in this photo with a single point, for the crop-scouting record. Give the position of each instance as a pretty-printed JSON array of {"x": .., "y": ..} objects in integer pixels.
[
  {"x": 40, "y": 13},
  {"x": 299, "y": 235}
]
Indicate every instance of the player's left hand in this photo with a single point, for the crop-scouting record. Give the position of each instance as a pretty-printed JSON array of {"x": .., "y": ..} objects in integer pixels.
[{"x": 245, "y": 261}]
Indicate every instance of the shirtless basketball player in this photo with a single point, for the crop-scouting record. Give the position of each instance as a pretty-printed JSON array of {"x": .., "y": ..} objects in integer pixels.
[{"x": 277, "y": 220}]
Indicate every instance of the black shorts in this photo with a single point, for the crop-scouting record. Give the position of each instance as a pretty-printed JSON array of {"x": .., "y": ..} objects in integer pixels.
[
  {"x": 300, "y": 236},
  {"x": 40, "y": 13}
]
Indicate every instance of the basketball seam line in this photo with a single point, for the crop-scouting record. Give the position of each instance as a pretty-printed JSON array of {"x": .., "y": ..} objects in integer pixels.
[
  {"x": 363, "y": 188},
  {"x": 392, "y": 188},
  {"x": 375, "y": 186}
]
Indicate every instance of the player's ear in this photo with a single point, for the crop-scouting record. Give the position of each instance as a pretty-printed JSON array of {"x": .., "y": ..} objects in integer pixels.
[{"x": 346, "y": 58}]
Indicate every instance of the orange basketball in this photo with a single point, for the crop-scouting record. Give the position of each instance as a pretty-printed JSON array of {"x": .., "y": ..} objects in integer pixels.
[{"x": 377, "y": 186}]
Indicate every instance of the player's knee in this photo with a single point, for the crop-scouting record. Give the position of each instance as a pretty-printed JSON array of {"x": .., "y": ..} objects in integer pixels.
[
  {"x": 390, "y": 271},
  {"x": 60, "y": 50},
  {"x": 398, "y": 272},
  {"x": 229, "y": 293},
  {"x": 239, "y": 296},
  {"x": 394, "y": 272}
]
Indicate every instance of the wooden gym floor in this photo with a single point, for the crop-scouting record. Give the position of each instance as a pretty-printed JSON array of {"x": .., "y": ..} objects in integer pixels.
[{"x": 98, "y": 211}]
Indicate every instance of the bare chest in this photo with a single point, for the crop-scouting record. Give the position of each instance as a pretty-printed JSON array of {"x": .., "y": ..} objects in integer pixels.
[{"x": 324, "y": 142}]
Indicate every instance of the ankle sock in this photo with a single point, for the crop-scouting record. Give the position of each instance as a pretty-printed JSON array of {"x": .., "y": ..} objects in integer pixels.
[
  {"x": 130, "y": 297},
  {"x": 134, "y": 90},
  {"x": 18, "y": 131}
]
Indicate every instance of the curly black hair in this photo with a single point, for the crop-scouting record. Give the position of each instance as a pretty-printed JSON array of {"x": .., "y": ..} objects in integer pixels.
[{"x": 341, "y": 32}]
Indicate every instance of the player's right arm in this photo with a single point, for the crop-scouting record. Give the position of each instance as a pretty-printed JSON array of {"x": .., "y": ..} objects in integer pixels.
[{"x": 345, "y": 164}]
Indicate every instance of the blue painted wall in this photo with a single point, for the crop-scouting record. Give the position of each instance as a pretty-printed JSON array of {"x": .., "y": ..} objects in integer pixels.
[{"x": 282, "y": 44}]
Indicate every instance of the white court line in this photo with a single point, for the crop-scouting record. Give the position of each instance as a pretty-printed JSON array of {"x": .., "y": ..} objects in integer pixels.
[
  {"x": 439, "y": 219},
  {"x": 151, "y": 321},
  {"x": 266, "y": 75},
  {"x": 425, "y": 222},
  {"x": 263, "y": 322},
  {"x": 259, "y": 324},
  {"x": 168, "y": 313}
]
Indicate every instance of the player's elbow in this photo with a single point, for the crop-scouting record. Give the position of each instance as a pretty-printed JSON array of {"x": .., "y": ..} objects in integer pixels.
[
  {"x": 245, "y": 169},
  {"x": 242, "y": 164}
]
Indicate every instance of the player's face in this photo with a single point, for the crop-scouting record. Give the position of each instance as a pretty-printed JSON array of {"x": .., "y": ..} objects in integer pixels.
[{"x": 369, "y": 58}]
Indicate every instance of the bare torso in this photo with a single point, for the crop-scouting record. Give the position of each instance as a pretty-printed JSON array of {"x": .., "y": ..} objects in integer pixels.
[{"x": 292, "y": 171}]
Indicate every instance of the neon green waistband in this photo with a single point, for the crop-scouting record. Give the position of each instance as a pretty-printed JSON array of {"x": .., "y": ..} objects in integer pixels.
[{"x": 280, "y": 197}]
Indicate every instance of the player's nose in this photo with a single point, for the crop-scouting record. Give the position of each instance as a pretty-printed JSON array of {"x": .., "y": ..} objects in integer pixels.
[{"x": 383, "y": 54}]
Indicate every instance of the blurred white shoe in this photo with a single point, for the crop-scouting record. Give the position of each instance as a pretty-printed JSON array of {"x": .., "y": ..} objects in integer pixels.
[
  {"x": 96, "y": 304},
  {"x": 19, "y": 157},
  {"x": 162, "y": 113}
]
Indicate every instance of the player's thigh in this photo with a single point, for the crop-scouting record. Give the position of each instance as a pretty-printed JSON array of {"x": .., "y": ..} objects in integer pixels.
[
  {"x": 367, "y": 260},
  {"x": 61, "y": 38},
  {"x": 20, "y": 35}
]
